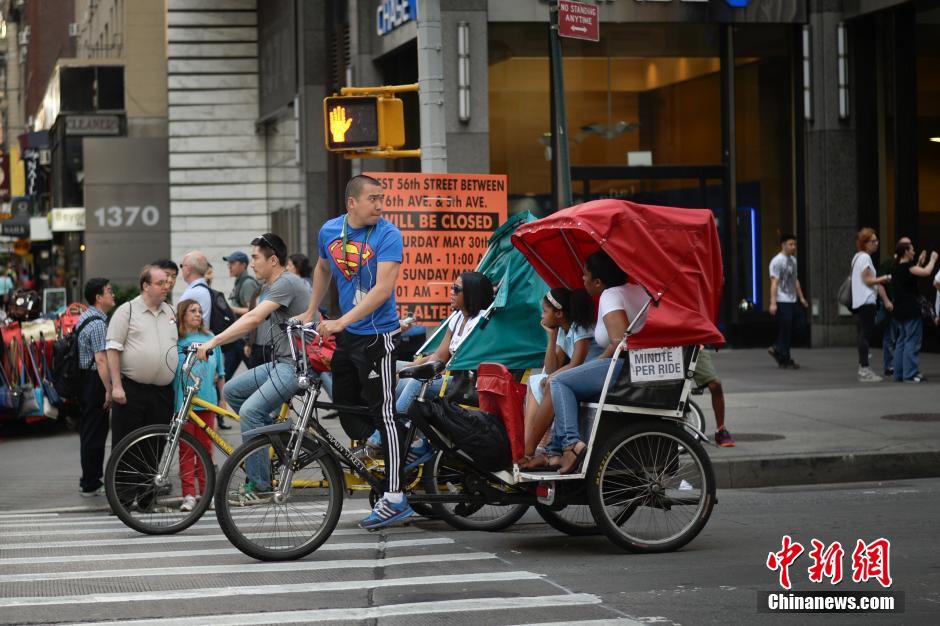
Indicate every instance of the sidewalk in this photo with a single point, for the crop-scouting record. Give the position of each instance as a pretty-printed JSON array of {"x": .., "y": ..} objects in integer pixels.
[
  {"x": 819, "y": 425},
  {"x": 812, "y": 425}
]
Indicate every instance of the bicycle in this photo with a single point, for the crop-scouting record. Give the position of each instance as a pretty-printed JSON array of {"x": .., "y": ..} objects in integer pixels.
[
  {"x": 144, "y": 475},
  {"x": 302, "y": 507}
]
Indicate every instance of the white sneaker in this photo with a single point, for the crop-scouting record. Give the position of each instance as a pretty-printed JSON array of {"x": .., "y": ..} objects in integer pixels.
[
  {"x": 189, "y": 503},
  {"x": 865, "y": 375}
]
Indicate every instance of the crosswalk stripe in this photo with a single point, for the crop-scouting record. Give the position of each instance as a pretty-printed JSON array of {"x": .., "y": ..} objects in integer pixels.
[
  {"x": 366, "y": 613},
  {"x": 118, "y": 525},
  {"x": 319, "y": 587},
  {"x": 134, "y": 538},
  {"x": 171, "y": 554},
  {"x": 241, "y": 568},
  {"x": 26, "y": 516},
  {"x": 72, "y": 522}
]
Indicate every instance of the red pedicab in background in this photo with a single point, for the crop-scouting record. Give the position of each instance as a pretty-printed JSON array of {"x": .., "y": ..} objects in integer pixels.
[{"x": 647, "y": 478}]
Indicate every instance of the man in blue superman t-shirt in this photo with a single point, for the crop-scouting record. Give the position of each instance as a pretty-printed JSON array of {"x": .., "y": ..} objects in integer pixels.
[{"x": 363, "y": 253}]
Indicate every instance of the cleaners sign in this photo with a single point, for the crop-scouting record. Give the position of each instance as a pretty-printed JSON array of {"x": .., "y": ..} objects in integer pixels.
[
  {"x": 656, "y": 364},
  {"x": 446, "y": 221}
]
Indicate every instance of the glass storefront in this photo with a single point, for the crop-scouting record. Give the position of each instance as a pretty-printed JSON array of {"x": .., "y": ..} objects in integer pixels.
[{"x": 650, "y": 95}]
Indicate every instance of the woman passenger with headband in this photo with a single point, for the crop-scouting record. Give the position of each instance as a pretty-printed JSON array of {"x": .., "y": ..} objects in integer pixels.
[{"x": 568, "y": 319}]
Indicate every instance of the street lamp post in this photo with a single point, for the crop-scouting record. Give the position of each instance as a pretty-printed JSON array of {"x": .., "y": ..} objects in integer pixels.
[{"x": 561, "y": 162}]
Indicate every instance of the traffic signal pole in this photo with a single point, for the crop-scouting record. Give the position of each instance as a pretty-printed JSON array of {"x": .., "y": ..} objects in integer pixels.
[
  {"x": 561, "y": 161},
  {"x": 431, "y": 93}
]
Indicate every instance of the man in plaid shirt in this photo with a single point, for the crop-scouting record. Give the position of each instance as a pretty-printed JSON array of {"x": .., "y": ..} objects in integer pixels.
[{"x": 95, "y": 397}]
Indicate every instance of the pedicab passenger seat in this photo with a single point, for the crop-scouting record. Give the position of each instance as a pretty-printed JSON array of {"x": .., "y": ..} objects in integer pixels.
[
  {"x": 500, "y": 394},
  {"x": 425, "y": 371},
  {"x": 649, "y": 395}
]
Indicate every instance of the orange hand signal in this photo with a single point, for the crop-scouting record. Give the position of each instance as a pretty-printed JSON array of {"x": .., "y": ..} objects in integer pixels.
[{"x": 339, "y": 124}]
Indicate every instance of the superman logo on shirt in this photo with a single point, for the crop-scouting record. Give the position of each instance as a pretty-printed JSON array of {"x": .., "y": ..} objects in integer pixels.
[{"x": 348, "y": 261}]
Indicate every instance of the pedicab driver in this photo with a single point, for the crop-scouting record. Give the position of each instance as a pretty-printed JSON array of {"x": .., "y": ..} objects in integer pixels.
[{"x": 363, "y": 252}]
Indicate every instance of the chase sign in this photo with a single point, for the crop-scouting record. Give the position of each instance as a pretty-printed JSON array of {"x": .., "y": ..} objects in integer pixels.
[{"x": 391, "y": 14}]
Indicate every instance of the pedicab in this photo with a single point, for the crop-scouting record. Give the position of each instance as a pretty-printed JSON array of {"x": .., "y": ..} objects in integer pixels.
[
  {"x": 645, "y": 480},
  {"x": 645, "y": 476}
]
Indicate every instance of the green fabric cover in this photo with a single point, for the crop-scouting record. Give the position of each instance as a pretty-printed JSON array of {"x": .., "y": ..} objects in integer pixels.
[{"x": 513, "y": 334}]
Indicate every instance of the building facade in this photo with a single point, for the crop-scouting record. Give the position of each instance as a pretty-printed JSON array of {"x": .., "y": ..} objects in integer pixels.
[{"x": 811, "y": 117}]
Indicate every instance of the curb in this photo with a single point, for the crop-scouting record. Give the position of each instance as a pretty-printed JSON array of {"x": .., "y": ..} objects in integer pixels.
[{"x": 826, "y": 468}]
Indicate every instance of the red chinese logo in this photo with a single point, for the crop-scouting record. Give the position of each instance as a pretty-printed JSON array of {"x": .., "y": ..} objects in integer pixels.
[
  {"x": 869, "y": 561},
  {"x": 827, "y": 563},
  {"x": 783, "y": 559},
  {"x": 872, "y": 561}
]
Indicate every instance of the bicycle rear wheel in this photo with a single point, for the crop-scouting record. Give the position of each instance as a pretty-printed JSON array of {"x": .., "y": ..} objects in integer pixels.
[
  {"x": 151, "y": 505},
  {"x": 575, "y": 519},
  {"x": 268, "y": 530},
  {"x": 694, "y": 416},
  {"x": 651, "y": 487},
  {"x": 447, "y": 476}
]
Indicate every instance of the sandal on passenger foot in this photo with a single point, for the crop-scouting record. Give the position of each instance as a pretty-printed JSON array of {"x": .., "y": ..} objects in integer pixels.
[{"x": 571, "y": 460}]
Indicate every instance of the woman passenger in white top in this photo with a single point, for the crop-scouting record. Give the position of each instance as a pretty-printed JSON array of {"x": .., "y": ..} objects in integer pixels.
[
  {"x": 620, "y": 303},
  {"x": 470, "y": 296}
]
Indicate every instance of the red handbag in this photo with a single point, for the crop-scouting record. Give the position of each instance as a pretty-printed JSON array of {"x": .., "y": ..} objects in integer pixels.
[
  {"x": 69, "y": 319},
  {"x": 320, "y": 353}
]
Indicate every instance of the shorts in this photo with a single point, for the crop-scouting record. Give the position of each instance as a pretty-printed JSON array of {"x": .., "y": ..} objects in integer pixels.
[
  {"x": 535, "y": 386},
  {"x": 704, "y": 370}
]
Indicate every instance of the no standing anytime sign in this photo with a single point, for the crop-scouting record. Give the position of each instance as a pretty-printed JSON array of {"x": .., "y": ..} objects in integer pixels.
[{"x": 578, "y": 20}]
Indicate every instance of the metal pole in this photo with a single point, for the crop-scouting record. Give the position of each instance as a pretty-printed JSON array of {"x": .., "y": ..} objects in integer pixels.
[
  {"x": 431, "y": 82},
  {"x": 561, "y": 162},
  {"x": 729, "y": 160}
]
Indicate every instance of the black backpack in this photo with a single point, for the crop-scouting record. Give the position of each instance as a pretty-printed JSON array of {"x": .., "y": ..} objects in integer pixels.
[
  {"x": 66, "y": 374},
  {"x": 222, "y": 315},
  {"x": 481, "y": 435}
]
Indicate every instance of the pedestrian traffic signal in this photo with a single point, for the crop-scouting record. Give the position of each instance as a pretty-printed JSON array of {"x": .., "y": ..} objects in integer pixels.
[{"x": 363, "y": 123}]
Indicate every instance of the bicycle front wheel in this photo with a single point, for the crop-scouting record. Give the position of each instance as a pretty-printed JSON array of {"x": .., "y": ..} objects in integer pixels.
[
  {"x": 267, "y": 529},
  {"x": 150, "y": 503}
]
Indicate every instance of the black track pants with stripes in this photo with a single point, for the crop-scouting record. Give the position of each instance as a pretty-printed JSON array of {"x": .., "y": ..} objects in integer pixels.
[{"x": 364, "y": 374}]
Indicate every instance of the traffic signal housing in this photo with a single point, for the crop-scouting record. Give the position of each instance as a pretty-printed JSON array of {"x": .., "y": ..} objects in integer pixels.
[{"x": 363, "y": 123}]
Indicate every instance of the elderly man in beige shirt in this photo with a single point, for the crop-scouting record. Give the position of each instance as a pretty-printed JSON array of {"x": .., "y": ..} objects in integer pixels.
[{"x": 142, "y": 357}]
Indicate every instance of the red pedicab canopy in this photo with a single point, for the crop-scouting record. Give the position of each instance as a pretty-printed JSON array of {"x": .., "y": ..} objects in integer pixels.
[{"x": 672, "y": 253}]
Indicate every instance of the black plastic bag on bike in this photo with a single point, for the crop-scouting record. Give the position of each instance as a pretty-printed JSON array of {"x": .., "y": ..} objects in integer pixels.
[{"x": 480, "y": 435}]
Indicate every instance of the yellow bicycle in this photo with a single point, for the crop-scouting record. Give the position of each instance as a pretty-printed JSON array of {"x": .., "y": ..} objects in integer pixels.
[{"x": 152, "y": 470}]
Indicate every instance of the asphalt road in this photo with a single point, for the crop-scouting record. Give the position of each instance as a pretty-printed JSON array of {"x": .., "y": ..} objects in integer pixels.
[{"x": 86, "y": 568}]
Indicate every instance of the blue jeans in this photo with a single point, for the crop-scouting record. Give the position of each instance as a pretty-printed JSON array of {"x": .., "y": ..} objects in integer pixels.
[
  {"x": 407, "y": 390},
  {"x": 255, "y": 395},
  {"x": 907, "y": 348},
  {"x": 888, "y": 342},
  {"x": 791, "y": 319},
  {"x": 584, "y": 382}
]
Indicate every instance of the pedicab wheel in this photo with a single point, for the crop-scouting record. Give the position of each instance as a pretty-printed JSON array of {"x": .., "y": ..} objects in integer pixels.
[
  {"x": 651, "y": 487},
  {"x": 269, "y": 530},
  {"x": 412, "y": 479},
  {"x": 694, "y": 416},
  {"x": 150, "y": 504},
  {"x": 447, "y": 476},
  {"x": 576, "y": 520}
]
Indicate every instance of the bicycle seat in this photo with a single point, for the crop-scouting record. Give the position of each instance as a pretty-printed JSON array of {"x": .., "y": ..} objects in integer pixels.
[{"x": 425, "y": 371}]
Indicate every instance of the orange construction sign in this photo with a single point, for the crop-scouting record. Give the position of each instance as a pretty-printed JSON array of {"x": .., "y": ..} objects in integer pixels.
[{"x": 446, "y": 221}]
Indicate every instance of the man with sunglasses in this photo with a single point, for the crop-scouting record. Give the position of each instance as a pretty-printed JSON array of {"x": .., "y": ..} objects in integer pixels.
[
  {"x": 260, "y": 391},
  {"x": 363, "y": 252}
]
